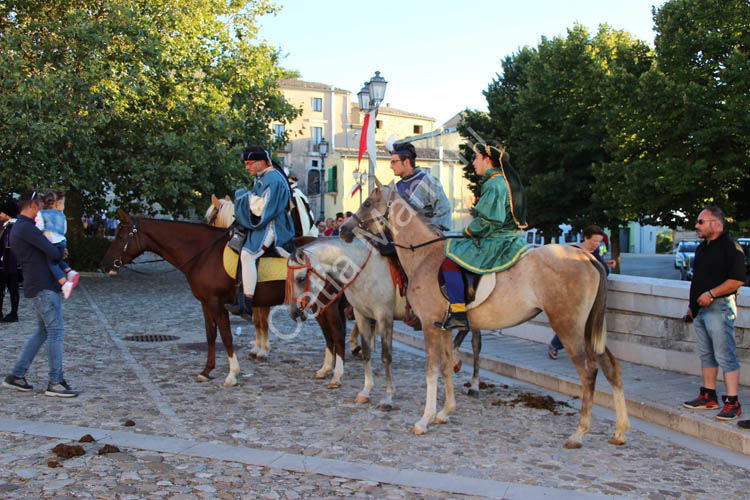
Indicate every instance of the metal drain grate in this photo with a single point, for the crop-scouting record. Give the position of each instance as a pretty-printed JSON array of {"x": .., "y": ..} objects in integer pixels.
[{"x": 151, "y": 338}]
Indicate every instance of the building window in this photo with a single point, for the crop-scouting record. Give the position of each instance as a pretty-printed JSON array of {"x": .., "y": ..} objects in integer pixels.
[
  {"x": 278, "y": 131},
  {"x": 317, "y": 135},
  {"x": 417, "y": 129},
  {"x": 313, "y": 182},
  {"x": 317, "y": 104},
  {"x": 378, "y": 123},
  {"x": 332, "y": 185}
]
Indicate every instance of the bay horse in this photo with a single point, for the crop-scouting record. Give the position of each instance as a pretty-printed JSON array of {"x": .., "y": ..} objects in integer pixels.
[
  {"x": 197, "y": 251},
  {"x": 564, "y": 282}
]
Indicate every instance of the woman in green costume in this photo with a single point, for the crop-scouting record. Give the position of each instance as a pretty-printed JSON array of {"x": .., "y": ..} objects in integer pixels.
[{"x": 492, "y": 244}]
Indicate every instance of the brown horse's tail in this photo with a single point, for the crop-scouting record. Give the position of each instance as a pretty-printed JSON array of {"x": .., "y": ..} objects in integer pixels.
[{"x": 596, "y": 328}]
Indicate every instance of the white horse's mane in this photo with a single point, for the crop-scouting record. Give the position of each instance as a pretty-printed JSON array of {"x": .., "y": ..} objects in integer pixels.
[{"x": 225, "y": 217}]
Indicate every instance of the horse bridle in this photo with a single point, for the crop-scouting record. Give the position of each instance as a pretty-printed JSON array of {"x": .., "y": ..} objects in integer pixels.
[
  {"x": 302, "y": 301},
  {"x": 384, "y": 220},
  {"x": 117, "y": 263}
]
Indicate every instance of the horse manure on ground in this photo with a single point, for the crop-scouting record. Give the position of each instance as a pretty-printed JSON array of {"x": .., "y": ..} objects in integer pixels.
[
  {"x": 65, "y": 451},
  {"x": 534, "y": 401},
  {"x": 108, "y": 448},
  {"x": 53, "y": 463},
  {"x": 128, "y": 423},
  {"x": 88, "y": 438}
]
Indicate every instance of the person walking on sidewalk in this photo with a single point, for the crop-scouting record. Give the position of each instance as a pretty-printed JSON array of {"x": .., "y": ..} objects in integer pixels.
[
  {"x": 592, "y": 242},
  {"x": 718, "y": 272},
  {"x": 33, "y": 251}
]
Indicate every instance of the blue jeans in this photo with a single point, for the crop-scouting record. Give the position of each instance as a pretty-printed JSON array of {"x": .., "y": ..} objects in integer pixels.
[
  {"x": 714, "y": 332},
  {"x": 58, "y": 268},
  {"x": 556, "y": 343},
  {"x": 48, "y": 307}
]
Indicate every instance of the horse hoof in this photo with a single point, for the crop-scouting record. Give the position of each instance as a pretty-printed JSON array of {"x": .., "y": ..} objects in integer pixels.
[
  {"x": 230, "y": 382},
  {"x": 457, "y": 366},
  {"x": 473, "y": 393},
  {"x": 417, "y": 430},
  {"x": 334, "y": 385},
  {"x": 385, "y": 407},
  {"x": 361, "y": 399},
  {"x": 617, "y": 441},
  {"x": 441, "y": 420},
  {"x": 203, "y": 378},
  {"x": 319, "y": 375},
  {"x": 573, "y": 445}
]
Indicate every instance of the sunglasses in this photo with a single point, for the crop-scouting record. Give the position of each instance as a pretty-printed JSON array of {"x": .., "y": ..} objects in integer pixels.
[{"x": 701, "y": 221}]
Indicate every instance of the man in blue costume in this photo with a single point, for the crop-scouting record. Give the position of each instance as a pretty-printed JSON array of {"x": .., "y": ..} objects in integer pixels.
[{"x": 264, "y": 211}]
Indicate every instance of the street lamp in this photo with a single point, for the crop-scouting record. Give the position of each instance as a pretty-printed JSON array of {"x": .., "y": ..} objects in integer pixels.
[
  {"x": 323, "y": 151},
  {"x": 369, "y": 98}
]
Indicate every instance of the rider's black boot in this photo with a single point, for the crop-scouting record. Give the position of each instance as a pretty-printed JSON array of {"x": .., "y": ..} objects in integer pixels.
[{"x": 454, "y": 320}]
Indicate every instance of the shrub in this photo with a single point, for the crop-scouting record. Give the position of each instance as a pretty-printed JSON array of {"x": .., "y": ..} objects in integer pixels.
[
  {"x": 664, "y": 242},
  {"x": 86, "y": 252}
]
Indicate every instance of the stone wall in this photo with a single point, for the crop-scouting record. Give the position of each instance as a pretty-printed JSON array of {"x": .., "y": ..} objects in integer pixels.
[{"x": 645, "y": 326}]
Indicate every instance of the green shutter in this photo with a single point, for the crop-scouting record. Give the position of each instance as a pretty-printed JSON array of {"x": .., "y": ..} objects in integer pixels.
[{"x": 332, "y": 185}]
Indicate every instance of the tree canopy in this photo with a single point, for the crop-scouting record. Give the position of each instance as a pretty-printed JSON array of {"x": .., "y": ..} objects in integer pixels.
[
  {"x": 135, "y": 102},
  {"x": 605, "y": 130}
]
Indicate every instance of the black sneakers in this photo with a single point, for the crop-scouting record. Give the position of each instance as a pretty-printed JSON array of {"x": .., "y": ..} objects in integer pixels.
[
  {"x": 61, "y": 390},
  {"x": 732, "y": 409},
  {"x": 17, "y": 383},
  {"x": 706, "y": 401}
]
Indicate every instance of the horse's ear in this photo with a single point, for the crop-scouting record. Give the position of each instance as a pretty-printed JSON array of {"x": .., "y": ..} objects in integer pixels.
[
  {"x": 214, "y": 200},
  {"x": 299, "y": 255},
  {"x": 392, "y": 184},
  {"x": 378, "y": 183},
  {"x": 124, "y": 217}
]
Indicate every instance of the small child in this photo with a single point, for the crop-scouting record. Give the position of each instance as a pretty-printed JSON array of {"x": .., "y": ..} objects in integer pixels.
[{"x": 51, "y": 221}]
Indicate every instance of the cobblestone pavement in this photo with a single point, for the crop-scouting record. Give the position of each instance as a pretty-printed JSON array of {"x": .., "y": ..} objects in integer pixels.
[{"x": 278, "y": 406}]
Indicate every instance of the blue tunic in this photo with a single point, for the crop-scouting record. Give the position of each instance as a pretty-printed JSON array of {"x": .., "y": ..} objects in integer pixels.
[{"x": 273, "y": 189}]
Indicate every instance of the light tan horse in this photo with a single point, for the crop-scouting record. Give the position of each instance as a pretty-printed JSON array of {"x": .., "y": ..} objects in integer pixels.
[
  {"x": 221, "y": 214},
  {"x": 564, "y": 282}
]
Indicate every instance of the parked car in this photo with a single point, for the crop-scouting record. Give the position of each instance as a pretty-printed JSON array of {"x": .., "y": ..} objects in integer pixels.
[
  {"x": 745, "y": 244},
  {"x": 686, "y": 271},
  {"x": 684, "y": 253}
]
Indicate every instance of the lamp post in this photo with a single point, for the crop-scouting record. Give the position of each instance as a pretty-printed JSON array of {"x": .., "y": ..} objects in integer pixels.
[
  {"x": 323, "y": 151},
  {"x": 369, "y": 98}
]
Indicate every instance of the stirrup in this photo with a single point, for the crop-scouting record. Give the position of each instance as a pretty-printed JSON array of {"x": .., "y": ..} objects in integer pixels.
[{"x": 452, "y": 321}]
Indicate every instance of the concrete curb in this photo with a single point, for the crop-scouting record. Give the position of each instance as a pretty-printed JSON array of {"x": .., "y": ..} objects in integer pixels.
[
  {"x": 437, "y": 481},
  {"x": 728, "y": 436}
]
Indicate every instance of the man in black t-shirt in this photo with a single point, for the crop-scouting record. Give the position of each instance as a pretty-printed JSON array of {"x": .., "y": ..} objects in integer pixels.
[{"x": 719, "y": 271}]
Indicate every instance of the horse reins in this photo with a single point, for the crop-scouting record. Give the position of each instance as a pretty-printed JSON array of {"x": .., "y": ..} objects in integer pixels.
[
  {"x": 384, "y": 219},
  {"x": 310, "y": 269},
  {"x": 117, "y": 263}
]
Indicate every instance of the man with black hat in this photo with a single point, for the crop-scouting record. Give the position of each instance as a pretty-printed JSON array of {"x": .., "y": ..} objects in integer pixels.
[
  {"x": 8, "y": 263},
  {"x": 264, "y": 211}
]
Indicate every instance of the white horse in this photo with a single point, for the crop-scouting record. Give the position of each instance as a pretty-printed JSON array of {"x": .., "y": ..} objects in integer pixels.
[{"x": 364, "y": 276}]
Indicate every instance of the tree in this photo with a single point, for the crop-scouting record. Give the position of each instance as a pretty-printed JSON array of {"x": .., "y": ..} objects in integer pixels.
[
  {"x": 550, "y": 108},
  {"x": 683, "y": 139},
  {"x": 144, "y": 104}
]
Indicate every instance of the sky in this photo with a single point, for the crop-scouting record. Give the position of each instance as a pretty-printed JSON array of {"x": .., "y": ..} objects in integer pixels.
[{"x": 437, "y": 56}]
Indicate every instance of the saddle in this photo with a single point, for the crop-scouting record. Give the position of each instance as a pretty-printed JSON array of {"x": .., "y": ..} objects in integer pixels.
[{"x": 477, "y": 287}]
